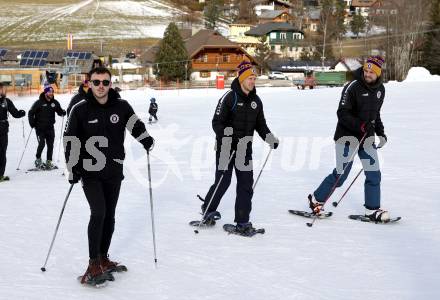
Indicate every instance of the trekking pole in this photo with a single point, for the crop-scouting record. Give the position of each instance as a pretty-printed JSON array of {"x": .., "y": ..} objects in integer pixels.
[
  {"x": 61, "y": 135},
  {"x": 43, "y": 268},
  {"x": 262, "y": 168},
  {"x": 151, "y": 207},
  {"x": 213, "y": 194},
  {"x": 24, "y": 137},
  {"x": 335, "y": 204},
  {"x": 310, "y": 224},
  {"x": 25, "y": 146}
]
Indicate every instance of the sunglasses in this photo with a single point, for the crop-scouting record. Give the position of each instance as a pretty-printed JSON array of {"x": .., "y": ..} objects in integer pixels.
[{"x": 97, "y": 82}]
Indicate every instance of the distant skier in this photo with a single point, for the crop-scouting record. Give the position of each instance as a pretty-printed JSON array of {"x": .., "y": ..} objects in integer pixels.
[
  {"x": 153, "y": 110},
  {"x": 358, "y": 116},
  {"x": 42, "y": 118},
  {"x": 238, "y": 114},
  {"x": 103, "y": 118},
  {"x": 6, "y": 106}
]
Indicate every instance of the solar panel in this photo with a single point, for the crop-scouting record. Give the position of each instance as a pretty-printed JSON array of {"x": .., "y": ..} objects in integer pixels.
[
  {"x": 23, "y": 62},
  {"x": 42, "y": 63},
  {"x": 45, "y": 54},
  {"x": 36, "y": 62},
  {"x": 3, "y": 52},
  {"x": 33, "y": 54},
  {"x": 39, "y": 54},
  {"x": 29, "y": 62},
  {"x": 26, "y": 54},
  {"x": 88, "y": 55},
  {"x": 82, "y": 55}
]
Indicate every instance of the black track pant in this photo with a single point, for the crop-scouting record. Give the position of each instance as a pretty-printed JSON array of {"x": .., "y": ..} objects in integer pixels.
[
  {"x": 102, "y": 196},
  {"x": 243, "y": 200},
  {"x": 3, "y": 147},
  {"x": 46, "y": 136}
]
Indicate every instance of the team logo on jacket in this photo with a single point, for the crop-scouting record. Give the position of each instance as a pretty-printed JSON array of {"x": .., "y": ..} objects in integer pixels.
[
  {"x": 52, "y": 105},
  {"x": 254, "y": 105},
  {"x": 4, "y": 104},
  {"x": 379, "y": 93},
  {"x": 114, "y": 118}
]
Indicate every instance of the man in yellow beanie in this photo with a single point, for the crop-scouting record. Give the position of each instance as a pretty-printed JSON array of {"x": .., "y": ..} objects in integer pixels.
[
  {"x": 359, "y": 121},
  {"x": 238, "y": 114}
]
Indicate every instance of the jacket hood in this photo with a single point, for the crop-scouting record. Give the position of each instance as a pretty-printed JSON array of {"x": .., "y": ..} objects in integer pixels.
[{"x": 236, "y": 87}]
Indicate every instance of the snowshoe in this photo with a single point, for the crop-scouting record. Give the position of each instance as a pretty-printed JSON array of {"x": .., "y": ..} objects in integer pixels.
[
  {"x": 4, "y": 178},
  {"x": 306, "y": 214},
  {"x": 208, "y": 220},
  {"x": 243, "y": 229}
]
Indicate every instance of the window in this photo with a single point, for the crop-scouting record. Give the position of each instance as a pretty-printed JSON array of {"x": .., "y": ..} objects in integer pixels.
[
  {"x": 205, "y": 74},
  {"x": 205, "y": 58},
  {"x": 283, "y": 35},
  {"x": 272, "y": 48},
  {"x": 273, "y": 35},
  {"x": 23, "y": 79},
  {"x": 226, "y": 58}
]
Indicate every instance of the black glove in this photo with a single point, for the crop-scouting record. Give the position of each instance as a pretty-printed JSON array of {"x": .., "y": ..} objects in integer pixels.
[
  {"x": 382, "y": 141},
  {"x": 272, "y": 140},
  {"x": 21, "y": 113},
  {"x": 74, "y": 177},
  {"x": 148, "y": 143}
]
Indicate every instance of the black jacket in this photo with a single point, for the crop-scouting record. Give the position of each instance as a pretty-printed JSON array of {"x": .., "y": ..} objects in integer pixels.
[
  {"x": 90, "y": 119},
  {"x": 42, "y": 113},
  {"x": 6, "y": 106},
  {"x": 77, "y": 98},
  {"x": 153, "y": 108},
  {"x": 244, "y": 113},
  {"x": 360, "y": 103}
]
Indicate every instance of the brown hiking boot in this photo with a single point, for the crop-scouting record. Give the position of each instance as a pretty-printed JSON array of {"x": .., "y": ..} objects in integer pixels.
[
  {"x": 94, "y": 273},
  {"x": 314, "y": 205},
  {"x": 109, "y": 266}
]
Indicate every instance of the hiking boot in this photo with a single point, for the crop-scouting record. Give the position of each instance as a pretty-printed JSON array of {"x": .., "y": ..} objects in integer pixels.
[
  {"x": 314, "y": 204},
  {"x": 377, "y": 215},
  {"x": 38, "y": 163},
  {"x": 94, "y": 274}
]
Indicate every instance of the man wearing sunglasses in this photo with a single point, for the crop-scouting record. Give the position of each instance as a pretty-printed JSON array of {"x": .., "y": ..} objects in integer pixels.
[{"x": 94, "y": 150}]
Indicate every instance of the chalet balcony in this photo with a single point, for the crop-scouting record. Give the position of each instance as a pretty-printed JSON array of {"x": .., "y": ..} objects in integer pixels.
[{"x": 214, "y": 64}]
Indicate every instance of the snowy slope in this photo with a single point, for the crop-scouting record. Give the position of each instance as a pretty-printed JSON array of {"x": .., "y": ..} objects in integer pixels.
[
  {"x": 85, "y": 19},
  {"x": 336, "y": 259}
]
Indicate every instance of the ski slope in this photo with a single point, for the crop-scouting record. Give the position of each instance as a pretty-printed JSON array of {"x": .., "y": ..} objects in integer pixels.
[{"x": 335, "y": 259}]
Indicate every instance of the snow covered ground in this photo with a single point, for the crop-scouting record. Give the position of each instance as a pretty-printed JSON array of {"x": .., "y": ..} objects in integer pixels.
[
  {"x": 85, "y": 19},
  {"x": 336, "y": 259}
]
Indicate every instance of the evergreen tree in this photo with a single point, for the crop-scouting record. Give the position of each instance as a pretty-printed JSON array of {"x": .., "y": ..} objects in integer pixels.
[
  {"x": 172, "y": 57},
  {"x": 358, "y": 24},
  {"x": 431, "y": 50},
  {"x": 262, "y": 53},
  {"x": 212, "y": 13}
]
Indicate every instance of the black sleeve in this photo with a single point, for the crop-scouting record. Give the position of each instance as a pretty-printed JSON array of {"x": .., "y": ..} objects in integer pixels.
[
  {"x": 14, "y": 112},
  {"x": 58, "y": 109},
  {"x": 135, "y": 126},
  {"x": 379, "y": 128},
  {"x": 71, "y": 130},
  {"x": 222, "y": 114},
  {"x": 347, "y": 105},
  {"x": 261, "y": 126},
  {"x": 32, "y": 112},
  {"x": 71, "y": 104}
]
